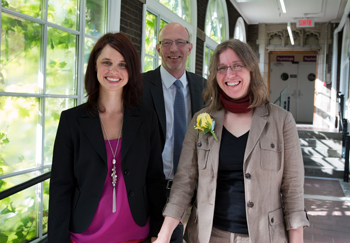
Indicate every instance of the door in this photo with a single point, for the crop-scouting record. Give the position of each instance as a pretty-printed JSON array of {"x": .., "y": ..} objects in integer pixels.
[{"x": 299, "y": 78}]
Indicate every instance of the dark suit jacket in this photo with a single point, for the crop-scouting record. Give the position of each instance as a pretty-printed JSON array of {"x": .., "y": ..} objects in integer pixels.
[
  {"x": 79, "y": 170},
  {"x": 153, "y": 95}
]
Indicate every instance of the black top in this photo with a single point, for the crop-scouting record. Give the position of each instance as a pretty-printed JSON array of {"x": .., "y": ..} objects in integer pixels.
[{"x": 230, "y": 212}]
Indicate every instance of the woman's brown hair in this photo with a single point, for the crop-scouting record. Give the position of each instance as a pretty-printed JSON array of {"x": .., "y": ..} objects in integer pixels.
[
  {"x": 132, "y": 91},
  {"x": 257, "y": 88}
]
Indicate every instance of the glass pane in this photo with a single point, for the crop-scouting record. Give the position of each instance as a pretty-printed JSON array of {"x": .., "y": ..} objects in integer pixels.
[
  {"x": 64, "y": 13},
  {"x": 151, "y": 34},
  {"x": 61, "y": 62},
  {"x": 29, "y": 7},
  {"x": 20, "y": 55},
  {"x": 20, "y": 215},
  {"x": 215, "y": 21},
  {"x": 46, "y": 187},
  {"x": 163, "y": 23},
  {"x": 89, "y": 44},
  {"x": 173, "y": 5},
  {"x": 53, "y": 109},
  {"x": 221, "y": 22},
  {"x": 95, "y": 17},
  {"x": 148, "y": 63},
  {"x": 20, "y": 133},
  {"x": 181, "y": 7},
  {"x": 186, "y": 10}
]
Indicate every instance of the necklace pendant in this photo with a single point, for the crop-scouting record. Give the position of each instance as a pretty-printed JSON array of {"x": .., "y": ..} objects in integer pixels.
[
  {"x": 113, "y": 161},
  {"x": 114, "y": 176}
]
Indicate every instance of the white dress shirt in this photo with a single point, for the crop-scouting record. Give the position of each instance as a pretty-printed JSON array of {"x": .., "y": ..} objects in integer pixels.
[{"x": 169, "y": 92}]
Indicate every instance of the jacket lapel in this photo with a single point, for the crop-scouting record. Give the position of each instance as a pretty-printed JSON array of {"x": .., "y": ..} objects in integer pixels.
[
  {"x": 91, "y": 127},
  {"x": 158, "y": 99},
  {"x": 257, "y": 127},
  {"x": 131, "y": 125},
  {"x": 218, "y": 117}
]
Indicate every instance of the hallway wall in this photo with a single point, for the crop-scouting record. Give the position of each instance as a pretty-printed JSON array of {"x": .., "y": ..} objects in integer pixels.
[{"x": 275, "y": 37}]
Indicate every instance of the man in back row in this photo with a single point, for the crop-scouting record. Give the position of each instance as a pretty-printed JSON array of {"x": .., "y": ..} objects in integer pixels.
[{"x": 175, "y": 95}]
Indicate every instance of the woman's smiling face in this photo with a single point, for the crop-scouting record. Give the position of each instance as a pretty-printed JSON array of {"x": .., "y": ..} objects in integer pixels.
[
  {"x": 111, "y": 68},
  {"x": 234, "y": 83}
]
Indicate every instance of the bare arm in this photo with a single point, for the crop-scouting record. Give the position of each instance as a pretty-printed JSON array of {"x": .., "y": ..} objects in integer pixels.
[
  {"x": 167, "y": 229},
  {"x": 296, "y": 235}
]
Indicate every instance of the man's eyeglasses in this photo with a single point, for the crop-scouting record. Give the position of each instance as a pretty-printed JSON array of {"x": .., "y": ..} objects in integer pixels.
[
  {"x": 233, "y": 67},
  {"x": 167, "y": 43}
]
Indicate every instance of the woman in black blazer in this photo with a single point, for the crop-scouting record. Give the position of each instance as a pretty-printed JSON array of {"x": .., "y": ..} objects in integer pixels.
[{"x": 107, "y": 182}]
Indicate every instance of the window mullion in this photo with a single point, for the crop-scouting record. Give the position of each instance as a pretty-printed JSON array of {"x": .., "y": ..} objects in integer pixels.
[
  {"x": 80, "y": 55},
  {"x": 42, "y": 80},
  {"x": 156, "y": 34}
]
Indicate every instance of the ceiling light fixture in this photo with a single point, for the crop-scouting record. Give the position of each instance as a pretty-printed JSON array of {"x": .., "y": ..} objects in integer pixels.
[
  {"x": 283, "y": 6},
  {"x": 290, "y": 33}
]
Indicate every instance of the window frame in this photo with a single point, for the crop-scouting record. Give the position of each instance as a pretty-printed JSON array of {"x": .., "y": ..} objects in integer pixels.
[
  {"x": 162, "y": 12},
  {"x": 113, "y": 10},
  {"x": 241, "y": 25},
  {"x": 209, "y": 42}
]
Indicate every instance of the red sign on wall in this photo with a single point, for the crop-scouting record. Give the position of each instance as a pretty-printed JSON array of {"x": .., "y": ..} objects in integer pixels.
[
  {"x": 309, "y": 59},
  {"x": 305, "y": 23},
  {"x": 285, "y": 58}
]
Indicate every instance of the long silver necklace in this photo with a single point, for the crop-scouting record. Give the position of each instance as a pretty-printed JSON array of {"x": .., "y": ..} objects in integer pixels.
[{"x": 114, "y": 171}]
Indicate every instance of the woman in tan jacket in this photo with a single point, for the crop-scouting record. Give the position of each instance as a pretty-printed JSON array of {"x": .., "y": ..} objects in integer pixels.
[{"x": 242, "y": 153}]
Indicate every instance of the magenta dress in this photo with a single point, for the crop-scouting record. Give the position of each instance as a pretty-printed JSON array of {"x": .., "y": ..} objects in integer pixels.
[{"x": 106, "y": 226}]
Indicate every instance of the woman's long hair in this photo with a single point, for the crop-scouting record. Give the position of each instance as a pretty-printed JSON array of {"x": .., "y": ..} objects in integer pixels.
[
  {"x": 132, "y": 91},
  {"x": 257, "y": 88}
]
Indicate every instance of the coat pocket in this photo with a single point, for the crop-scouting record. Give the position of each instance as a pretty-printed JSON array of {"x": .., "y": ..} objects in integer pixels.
[
  {"x": 202, "y": 155},
  {"x": 270, "y": 154},
  {"x": 277, "y": 228}
]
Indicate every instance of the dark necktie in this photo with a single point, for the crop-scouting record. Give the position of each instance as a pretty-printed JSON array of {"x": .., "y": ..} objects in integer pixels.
[{"x": 179, "y": 122}]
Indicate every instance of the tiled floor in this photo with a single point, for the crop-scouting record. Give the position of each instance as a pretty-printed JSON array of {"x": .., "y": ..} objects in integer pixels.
[{"x": 327, "y": 202}]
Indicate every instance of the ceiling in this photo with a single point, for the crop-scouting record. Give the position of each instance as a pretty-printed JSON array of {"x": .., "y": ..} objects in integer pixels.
[{"x": 270, "y": 11}]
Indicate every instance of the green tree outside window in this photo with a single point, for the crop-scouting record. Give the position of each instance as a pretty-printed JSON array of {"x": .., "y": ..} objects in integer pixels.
[{"x": 39, "y": 67}]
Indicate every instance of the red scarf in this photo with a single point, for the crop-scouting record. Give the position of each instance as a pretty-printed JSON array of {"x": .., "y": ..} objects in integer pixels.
[{"x": 235, "y": 106}]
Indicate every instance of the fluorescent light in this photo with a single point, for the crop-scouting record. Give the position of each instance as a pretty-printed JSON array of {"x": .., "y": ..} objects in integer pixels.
[
  {"x": 283, "y": 7},
  {"x": 290, "y": 33}
]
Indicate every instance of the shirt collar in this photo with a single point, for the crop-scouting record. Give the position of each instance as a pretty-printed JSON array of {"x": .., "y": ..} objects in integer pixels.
[{"x": 169, "y": 79}]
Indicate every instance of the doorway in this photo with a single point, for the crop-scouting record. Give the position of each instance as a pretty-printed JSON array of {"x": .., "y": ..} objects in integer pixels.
[{"x": 294, "y": 75}]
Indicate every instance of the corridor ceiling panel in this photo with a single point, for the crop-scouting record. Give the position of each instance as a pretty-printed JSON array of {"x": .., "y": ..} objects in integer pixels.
[{"x": 270, "y": 11}]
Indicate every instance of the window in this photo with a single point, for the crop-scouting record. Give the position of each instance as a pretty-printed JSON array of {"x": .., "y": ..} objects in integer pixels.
[
  {"x": 153, "y": 24},
  {"x": 216, "y": 21},
  {"x": 240, "y": 30},
  {"x": 216, "y": 30},
  {"x": 45, "y": 45},
  {"x": 158, "y": 13},
  {"x": 181, "y": 7},
  {"x": 207, "y": 55}
]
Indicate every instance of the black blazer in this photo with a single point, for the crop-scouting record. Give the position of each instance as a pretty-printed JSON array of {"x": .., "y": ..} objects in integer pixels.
[
  {"x": 79, "y": 170},
  {"x": 153, "y": 95}
]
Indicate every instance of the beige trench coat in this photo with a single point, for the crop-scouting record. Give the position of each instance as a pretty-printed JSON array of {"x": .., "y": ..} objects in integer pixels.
[{"x": 273, "y": 178}]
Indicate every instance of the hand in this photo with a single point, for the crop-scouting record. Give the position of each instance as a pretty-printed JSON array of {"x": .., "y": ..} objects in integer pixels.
[
  {"x": 159, "y": 240},
  {"x": 167, "y": 229}
]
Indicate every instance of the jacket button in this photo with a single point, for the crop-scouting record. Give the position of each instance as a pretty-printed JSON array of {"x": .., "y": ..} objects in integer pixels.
[
  {"x": 272, "y": 220},
  {"x": 131, "y": 193},
  {"x": 248, "y": 176},
  {"x": 250, "y": 204},
  {"x": 199, "y": 144},
  {"x": 126, "y": 172},
  {"x": 272, "y": 145}
]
